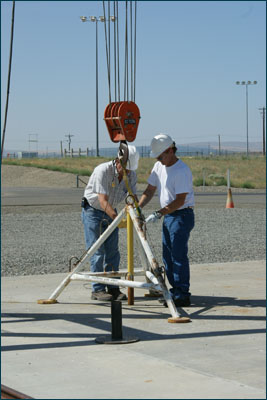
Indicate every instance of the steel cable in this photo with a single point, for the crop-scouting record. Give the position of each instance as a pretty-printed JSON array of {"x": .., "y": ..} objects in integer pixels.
[
  {"x": 126, "y": 54},
  {"x": 135, "y": 15},
  {"x": 115, "y": 55},
  {"x": 9, "y": 78},
  {"x": 129, "y": 51},
  {"x": 131, "y": 48},
  {"x": 108, "y": 62},
  {"x": 119, "y": 95}
]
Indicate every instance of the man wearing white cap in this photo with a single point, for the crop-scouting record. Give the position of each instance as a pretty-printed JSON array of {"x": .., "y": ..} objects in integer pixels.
[
  {"x": 172, "y": 178},
  {"x": 105, "y": 189}
]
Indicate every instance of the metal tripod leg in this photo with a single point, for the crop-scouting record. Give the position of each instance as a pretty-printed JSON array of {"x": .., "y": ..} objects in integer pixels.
[
  {"x": 90, "y": 252},
  {"x": 155, "y": 277},
  {"x": 176, "y": 317}
]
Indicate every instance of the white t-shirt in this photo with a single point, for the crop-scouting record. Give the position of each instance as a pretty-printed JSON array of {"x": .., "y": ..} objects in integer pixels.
[{"x": 171, "y": 181}]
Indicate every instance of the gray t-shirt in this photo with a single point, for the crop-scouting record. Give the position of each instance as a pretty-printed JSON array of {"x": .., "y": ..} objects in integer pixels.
[{"x": 104, "y": 180}]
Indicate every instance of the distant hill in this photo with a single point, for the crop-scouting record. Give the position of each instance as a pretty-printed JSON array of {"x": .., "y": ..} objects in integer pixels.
[
  {"x": 230, "y": 146},
  {"x": 185, "y": 148}
]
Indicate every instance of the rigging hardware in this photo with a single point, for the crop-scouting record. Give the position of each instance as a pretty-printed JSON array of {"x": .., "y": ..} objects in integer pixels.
[
  {"x": 121, "y": 116},
  {"x": 122, "y": 120}
]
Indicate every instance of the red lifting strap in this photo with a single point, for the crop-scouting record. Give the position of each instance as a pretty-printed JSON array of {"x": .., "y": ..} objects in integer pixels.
[{"x": 122, "y": 120}]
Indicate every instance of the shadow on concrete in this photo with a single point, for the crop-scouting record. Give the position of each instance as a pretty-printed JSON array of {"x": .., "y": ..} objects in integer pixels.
[
  {"x": 144, "y": 336},
  {"x": 102, "y": 321}
]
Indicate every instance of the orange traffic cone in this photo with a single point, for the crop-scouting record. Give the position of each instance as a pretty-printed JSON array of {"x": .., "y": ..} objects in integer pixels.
[{"x": 229, "y": 201}]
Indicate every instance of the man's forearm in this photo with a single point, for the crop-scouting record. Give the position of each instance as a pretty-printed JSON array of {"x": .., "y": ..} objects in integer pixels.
[
  {"x": 147, "y": 196},
  {"x": 143, "y": 201},
  {"x": 110, "y": 211},
  {"x": 106, "y": 206}
]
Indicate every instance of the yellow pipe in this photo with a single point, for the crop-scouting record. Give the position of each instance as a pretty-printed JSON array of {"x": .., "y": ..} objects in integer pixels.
[{"x": 130, "y": 253}]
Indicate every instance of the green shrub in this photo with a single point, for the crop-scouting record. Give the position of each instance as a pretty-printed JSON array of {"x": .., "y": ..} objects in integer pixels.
[
  {"x": 198, "y": 182},
  {"x": 247, "y": 185},
  {"x": 220, "y": 182}
]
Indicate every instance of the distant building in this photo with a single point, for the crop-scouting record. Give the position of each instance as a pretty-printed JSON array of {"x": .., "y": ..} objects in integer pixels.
[{"x": 27, "y": 154}]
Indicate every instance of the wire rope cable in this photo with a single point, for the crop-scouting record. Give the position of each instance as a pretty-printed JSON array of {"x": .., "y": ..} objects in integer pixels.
[
  {"x": 135, "y": 15},
  {"x": 126, "y": 54},
  {"x": 131, "y": 48},
  {"x": 118, "y": 50},
  {"x": 113, "y": 61},
  {"x": 115, "y": 52},
  {"x": 109, "y": 38},
  {"x": 107, "y": 52},
  {"x": 9, "y": 78}
]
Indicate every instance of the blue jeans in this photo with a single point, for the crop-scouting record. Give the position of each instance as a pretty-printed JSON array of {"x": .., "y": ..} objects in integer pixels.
[
  {"x": 107, "y": 257},
  {"x": 175, "y": 235}
]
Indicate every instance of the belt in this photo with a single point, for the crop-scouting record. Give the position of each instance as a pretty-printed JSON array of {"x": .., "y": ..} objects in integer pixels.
[
  {"x": 85, "y": 205},
  {"x": 179, "y": 211}
]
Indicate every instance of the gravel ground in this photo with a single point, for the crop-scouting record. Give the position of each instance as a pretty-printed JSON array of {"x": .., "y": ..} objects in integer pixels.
[{"x": 42, "y": 240}]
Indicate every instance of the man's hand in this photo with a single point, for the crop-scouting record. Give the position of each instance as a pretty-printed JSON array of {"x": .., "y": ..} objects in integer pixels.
[{"x": 154, "y": 217}]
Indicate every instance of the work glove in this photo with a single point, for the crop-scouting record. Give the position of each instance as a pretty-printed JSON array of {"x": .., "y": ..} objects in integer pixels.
[
  {"x": 154, "y": 217},
  {"x": 139, "y": 213}
]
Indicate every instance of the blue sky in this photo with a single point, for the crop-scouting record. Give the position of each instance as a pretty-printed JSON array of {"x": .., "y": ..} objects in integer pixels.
[{"x": 189, "y": 56}]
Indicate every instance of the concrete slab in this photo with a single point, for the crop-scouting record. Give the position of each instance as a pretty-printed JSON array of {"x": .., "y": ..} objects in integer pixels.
[{"x": 49, "y": 351}]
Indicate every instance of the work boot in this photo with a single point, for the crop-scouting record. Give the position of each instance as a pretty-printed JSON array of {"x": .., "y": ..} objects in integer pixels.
[
  {"x": 186, "y": 302},
  {"x": 101, "y": 295},
  {"x": 116, "y": 294},
  {"x": 163, "y": 302}
]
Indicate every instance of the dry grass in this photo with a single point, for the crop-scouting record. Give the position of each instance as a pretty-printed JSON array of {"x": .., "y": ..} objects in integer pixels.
[
  {"x": 244, "y": 172},
  {"x": 250, "y": 173},
  {"x": 78, "y": 165}
]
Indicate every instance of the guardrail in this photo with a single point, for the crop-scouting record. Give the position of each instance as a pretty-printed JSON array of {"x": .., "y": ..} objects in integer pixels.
[
  {"x": 78, "y": 179},
  {"x": 72, "y": 153}
]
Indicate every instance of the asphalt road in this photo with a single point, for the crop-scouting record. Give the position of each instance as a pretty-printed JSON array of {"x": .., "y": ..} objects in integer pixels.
[{"x": 72, "y": 196}]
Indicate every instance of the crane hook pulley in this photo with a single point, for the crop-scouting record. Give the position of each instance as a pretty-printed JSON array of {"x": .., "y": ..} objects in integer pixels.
[
  {"x": 122, "y": 120},
  {"x": 122, "y": 116}
]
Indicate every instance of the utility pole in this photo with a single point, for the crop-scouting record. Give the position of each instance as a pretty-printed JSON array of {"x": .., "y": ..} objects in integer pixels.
[
  {"x": 69, "y": 136},
  {"x": 263, "y": 109},
  {"x": 33, "y": 141},
  {"x": 219, "y": 144},
  {"x": 247, "y": 84}
]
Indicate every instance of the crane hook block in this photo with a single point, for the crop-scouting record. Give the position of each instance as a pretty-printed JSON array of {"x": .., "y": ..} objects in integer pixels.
[{"x": 122, "y": 120}]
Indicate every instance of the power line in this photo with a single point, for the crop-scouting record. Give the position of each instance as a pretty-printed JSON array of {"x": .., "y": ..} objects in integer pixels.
[{"x": 69, "y": 141}]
